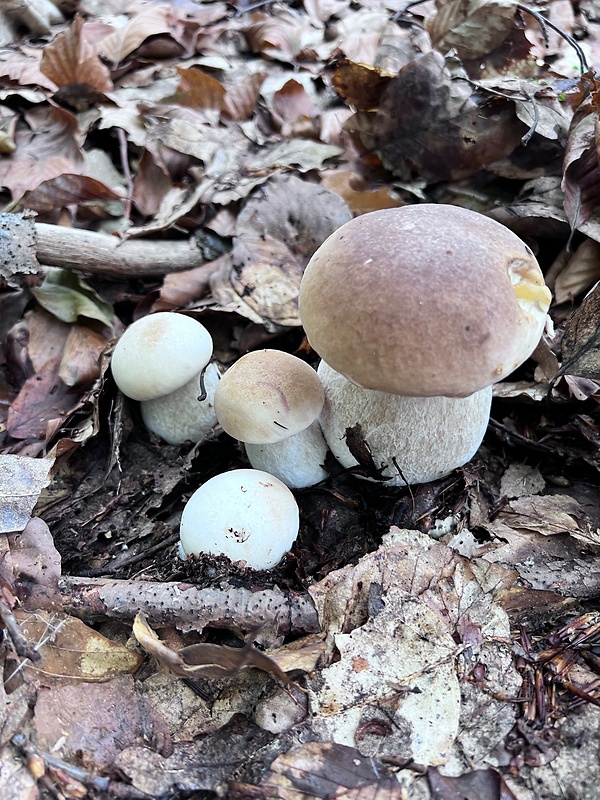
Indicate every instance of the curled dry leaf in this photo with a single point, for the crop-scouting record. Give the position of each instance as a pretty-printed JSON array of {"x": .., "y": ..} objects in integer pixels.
[
  {"x": 473, "y": 28},
  {"x": 581, "y": 271},
  {"x": 278, "y": 230},
  {"x": 72, "y": 59},
  {"x": 581, "y": 176},
  {"x": 206, "y": 660}
]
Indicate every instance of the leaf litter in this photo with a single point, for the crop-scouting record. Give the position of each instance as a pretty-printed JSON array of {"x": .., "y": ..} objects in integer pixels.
[{"x": 193, "y": 157}]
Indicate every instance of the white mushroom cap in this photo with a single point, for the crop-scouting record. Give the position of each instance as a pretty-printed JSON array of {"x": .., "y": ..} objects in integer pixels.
[
  {"x": 297, "y": 461},
  {"x": 246, "y": 515},
  {"x": 423, "y": 300},
  {"x": 160, "y": 353},
  {"x": 180, "y": 416},
  {"x": 427, "y": 437},
  {"x": 267, "y": 396}
]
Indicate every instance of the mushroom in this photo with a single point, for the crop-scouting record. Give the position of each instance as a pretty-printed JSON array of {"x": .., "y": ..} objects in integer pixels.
[
  {"x": 161, "y": 360},
  {"x": 270, "y": 400},
  {"x": 423, "y": 301},
  {"x": 246, "y": 515}
]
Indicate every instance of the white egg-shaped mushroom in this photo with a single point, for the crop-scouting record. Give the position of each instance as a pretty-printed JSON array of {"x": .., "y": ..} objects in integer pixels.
[
  {"x": 159, "y": 354},
  {"x": 246, "y": 514}
]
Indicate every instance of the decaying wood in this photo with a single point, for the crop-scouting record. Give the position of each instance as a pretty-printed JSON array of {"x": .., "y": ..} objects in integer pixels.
[
  {"x": 189, "y": 607},
  {"x": 102, "y": 254}
]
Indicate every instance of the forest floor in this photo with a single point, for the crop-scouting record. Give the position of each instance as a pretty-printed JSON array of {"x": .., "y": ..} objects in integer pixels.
[{"x": 441, "y": 641}]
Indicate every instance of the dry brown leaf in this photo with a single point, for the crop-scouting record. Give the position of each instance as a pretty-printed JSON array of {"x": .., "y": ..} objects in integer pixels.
[
  {"x": 241, "y": 98},
  {"x": 197, "y": 89},
  {"x": 547, "y": 514},
  {"x": 150, "y": 21},
  {"x": 435, "y": 123},
  {"x": 91, "y": 723},
  {"x": 357, "y": 192},
  {"x": 360, "y": 85},
  {"x": 23, "y": 67},
  {"x": 72, "y": 59},
  {"x": 80, "y": 362},
  {"x": 278, "y": 230},
  {"x": 49, "y": 149},
  {"x": 72, "y": 651},
  {"x": 69, "y": 190},
  {"x": 31, "y": 565},
  {"x": 581, "y": 271},
  {"x": 581, "y": 339},
  {"x": 325, "y": 769},
  {"x": 471, "y": 27}
]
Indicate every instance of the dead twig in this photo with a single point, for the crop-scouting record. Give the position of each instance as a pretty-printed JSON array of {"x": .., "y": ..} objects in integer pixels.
[
  {"x": 102, "y": 254},
  {"x": 189, "y": 607},
  {"x": 107, "y": 786}
]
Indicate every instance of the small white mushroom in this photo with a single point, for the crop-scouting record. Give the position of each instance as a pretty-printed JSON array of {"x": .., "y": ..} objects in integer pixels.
[
  {"x": 159, "y": 354},
  {"x": 246, "y": 515},
  {"x": 162, "y": 360},
  {"x": 269, "y": 400}
]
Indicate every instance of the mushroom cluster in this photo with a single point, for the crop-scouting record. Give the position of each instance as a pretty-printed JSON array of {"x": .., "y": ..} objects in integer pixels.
[{"x": 416, "y": 311}]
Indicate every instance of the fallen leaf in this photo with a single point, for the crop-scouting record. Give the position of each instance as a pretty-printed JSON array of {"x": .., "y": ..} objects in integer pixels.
[
  {"x": 472, "y": 28},
  {"x": 69, "y": 297},
  {"x": 581, "y": 339},
  {"x": 73, "y": 651},
  {"x": 581, "y": 175},
  {"x": 581, "y": 271},
  {"x": 21, "y": 482},
  {"x": 447, "y": 130},
  {"x": 72, "y": 59}
]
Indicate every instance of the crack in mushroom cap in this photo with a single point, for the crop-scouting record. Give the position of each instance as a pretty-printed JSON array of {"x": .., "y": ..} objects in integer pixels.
[{"x": 424, "y": 300}]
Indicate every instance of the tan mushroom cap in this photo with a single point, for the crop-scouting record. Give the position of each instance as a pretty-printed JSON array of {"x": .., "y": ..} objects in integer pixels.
[
  {"x": 267, "y": 396},
  {"x": 424, "y": 300}
]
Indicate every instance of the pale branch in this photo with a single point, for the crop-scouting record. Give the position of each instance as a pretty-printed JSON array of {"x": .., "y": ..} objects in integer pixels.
[
  {"x": 102, "y": 254},
  {"x": 189, "y": 607}
]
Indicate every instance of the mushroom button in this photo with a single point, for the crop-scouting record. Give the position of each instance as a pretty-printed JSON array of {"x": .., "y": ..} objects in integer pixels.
[
  {"x": 270, "y": 400},
  {"x": 160, "y": 360},
  {"x": 246, "y": 515}
]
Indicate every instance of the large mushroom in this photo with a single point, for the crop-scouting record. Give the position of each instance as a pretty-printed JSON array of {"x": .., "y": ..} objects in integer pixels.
[{"x": 429, "y": 302}]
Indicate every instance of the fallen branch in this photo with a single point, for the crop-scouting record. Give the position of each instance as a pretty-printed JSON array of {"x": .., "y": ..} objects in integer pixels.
[
  {"x": 102, "y": 254},
  {"x": 189, "y": 607}
]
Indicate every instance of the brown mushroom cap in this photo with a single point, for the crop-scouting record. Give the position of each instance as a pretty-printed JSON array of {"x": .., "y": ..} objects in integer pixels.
[
  {"x": 267, "y": 396},
  {"x": 423, "y": 300}
]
